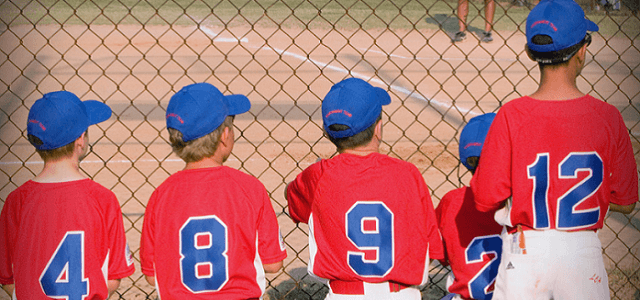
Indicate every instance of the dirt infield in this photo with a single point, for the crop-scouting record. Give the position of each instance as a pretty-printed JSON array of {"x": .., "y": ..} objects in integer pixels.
[{"x": 435, "y": 87}]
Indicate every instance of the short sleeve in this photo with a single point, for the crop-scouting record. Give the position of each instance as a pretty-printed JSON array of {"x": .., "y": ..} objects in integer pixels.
[
  {"x": 624, "y": 174},
  {"x": 270, "y": 244},
  {"x": 300, "y": 193},
  {"x": 491, "y": 183},
  {"x": 120, "y": 260},
  {"x": 436, "y": 248},
  {"x": 147, "y": 240},
  {"x": 8, "y": 225},
  {"x": 441, "y": 211}
]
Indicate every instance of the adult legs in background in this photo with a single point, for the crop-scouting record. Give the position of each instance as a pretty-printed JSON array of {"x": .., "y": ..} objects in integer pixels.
[{"x": 463, "y": 12}]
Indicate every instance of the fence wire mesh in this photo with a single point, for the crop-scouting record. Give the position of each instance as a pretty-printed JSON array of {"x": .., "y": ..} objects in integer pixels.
[{"x": 285, "y": 55}]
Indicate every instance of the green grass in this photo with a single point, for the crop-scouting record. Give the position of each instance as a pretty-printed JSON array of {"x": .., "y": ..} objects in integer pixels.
[{"x": 325, "y": 14}]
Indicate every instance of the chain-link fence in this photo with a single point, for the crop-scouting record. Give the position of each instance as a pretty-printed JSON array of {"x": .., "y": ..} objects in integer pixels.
[{"x": 285, "y": 55}]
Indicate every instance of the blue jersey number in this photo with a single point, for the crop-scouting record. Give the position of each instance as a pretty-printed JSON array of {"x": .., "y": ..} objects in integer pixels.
[
  {"x": 479, "y": 247},
  {"x": 63, "y": 278},
  {"x": 370, "y": 229},
  {"x": 567, "y": 216},
  {"x": 203, "y": 250}
]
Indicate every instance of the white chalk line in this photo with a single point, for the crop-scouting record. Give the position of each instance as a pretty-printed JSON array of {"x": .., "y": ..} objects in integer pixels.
[
  {"x": 396, "y": 88},
  {"x": 412, "y": 94},
  {"x": 221, "y": 39}
]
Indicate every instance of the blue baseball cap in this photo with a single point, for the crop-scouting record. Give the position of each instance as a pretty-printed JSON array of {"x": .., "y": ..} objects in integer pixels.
[
  {"x": 200, "y": 108},
  {"x": 472, "y": 137},
  {"x": 355, "y": 103},
  {"x": 561, "y": 20},
  {"x": 59, "y": 118}
]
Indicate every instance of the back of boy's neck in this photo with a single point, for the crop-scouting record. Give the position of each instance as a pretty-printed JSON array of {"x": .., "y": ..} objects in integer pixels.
[
  {"x": 62, "y": 170},
  {"x": 207, "y": 162},
  {"x": 363, "y": 150},
  {"x": 372, "y": 147},
  {"x": 555, "y": 87},
  {"x": 359, "y": 152}
]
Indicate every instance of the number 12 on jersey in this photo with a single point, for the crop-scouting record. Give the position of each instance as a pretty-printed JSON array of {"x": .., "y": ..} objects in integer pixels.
[{"x": 567, "y": 216}]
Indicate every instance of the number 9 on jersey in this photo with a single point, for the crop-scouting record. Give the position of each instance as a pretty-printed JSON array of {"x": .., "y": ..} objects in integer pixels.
[{"x": 369, "y": 226}]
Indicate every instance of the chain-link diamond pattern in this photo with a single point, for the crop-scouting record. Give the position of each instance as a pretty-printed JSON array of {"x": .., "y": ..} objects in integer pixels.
[{"x": 285, "y": 55}]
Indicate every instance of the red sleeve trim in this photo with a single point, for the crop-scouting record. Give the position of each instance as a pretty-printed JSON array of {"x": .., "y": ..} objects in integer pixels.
[
  {"x": 124, "y": 274},
  {"x": 275, "y": 259}
]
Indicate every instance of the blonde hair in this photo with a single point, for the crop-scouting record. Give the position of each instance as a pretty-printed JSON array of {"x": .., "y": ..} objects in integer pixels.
[{"x": 202, "y": 147}]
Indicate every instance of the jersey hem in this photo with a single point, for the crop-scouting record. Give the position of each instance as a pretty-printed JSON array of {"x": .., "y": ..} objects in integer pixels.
[
  {"x": 625, "y": 201},
  {"x": 148, "y": 272},
  {"x": 274, "y": 260},
  {"x": 121, "y": 275},
  {"x": 485, "y": 208}
]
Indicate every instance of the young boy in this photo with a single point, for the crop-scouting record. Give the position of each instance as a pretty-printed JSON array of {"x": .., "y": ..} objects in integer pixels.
[
  {"x": 209, "y": 230},
  {"x": 372, "y": 226},
  {"x": 565, "y": 159},
  {"x": 61, "y": 234},
  {"x": 471, "y": 238}
]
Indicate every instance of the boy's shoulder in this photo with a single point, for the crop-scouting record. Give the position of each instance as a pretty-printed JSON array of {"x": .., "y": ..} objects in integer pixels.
[
  {"x": 455, "y": 195},
  {"x": 452, "y": 200},
  {"x": 396, "y": 164},
  {"x": 376, "y": 162},
  {"x": 85, "y": 185},
  {"x": 586, "y": 102},
  {"x": 240, "y": 176},
  {"x": 525, "y": 110},
  {"x": 207, "y": 174},
  {"x": 373, "y": 158},
  {"x": 84, "y": 189}
]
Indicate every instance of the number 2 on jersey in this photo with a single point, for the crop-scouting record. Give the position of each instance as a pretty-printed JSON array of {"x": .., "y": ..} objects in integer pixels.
[
  {"x": 204, "y": 263},
  {"x": 567, "y": 216},
  {"x": 370, "y": 229},
  {"x": 480, "y": 246},
  {"x": 63, "y": 277}
]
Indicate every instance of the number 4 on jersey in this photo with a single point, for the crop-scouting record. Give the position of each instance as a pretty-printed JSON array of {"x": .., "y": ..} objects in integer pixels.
[{"x": 63, "y": 277}]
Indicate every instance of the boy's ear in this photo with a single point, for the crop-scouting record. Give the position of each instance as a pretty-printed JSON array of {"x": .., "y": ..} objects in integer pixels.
[
  {"x": 582, "y": 53},
  {"x": 529, "y": 54},
  {"x": 82, "y": 140},
  {"x": 224, "y": 137},
  {"x": 81, "y": 145},
  {"x": 378, "y": 130}
]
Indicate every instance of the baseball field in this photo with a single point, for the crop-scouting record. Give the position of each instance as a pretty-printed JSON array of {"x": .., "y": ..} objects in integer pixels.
[{"x": 285, "y": 55}]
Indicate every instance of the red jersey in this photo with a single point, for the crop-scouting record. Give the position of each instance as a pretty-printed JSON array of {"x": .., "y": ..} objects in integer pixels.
[
  {"x": 207, "y": 232},
  {"x": 563, "y": 162},
  {"x": 472, "y": 244},
  {"x": 370, "y": 219},
  {"x": 64, "y": 240}
]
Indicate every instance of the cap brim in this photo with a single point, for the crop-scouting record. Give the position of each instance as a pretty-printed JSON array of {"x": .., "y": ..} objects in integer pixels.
[
  {"x": 237, "y": 104},
  {"x": 591, "y": 26},
  {"x": 97, "y": 111},
  {"x": 383, "y": 96}
]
